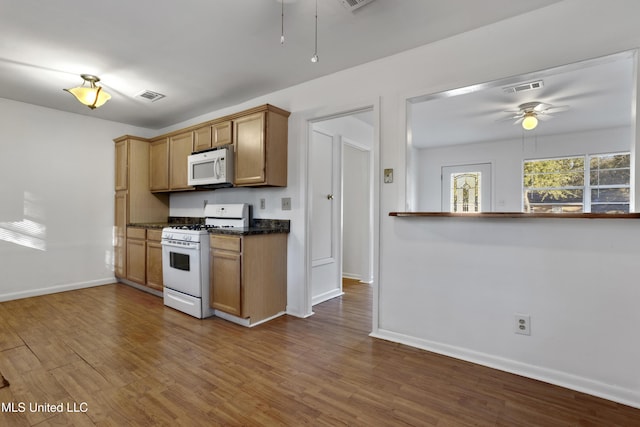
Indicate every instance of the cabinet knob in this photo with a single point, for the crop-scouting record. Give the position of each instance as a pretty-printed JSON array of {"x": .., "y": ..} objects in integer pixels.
[{"x": 329, "y": 196}]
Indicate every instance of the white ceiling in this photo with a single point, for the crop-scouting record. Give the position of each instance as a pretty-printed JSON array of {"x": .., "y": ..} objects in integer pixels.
[
  {"x": 208, "y": 55},
  {"x": 598, "y": 92}
]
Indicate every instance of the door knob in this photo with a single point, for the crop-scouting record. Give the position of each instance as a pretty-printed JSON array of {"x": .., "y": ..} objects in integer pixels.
[{"x": 329, "y": 196}]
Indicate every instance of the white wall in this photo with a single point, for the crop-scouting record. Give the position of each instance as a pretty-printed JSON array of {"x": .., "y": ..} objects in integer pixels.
[
  {"x": 506, "y": 159},
  {"x": 56, "y": 214},
  {"x": 356, "y": 240}
]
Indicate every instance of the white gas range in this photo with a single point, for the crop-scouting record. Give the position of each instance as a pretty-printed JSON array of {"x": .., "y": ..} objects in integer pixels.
[{"x": 185, "y": 258}]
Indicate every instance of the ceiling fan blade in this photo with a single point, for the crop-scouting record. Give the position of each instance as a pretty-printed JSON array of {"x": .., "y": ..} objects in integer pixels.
[
  {"x": 555, "y": 109},
  {"x": 518, "y": 121},
  {"x": 509, "y": 118},
  {"x": 541, "y": 106}
]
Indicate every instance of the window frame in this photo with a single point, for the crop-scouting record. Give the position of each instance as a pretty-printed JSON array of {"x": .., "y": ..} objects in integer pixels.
[{"x": 586, "y": 188}]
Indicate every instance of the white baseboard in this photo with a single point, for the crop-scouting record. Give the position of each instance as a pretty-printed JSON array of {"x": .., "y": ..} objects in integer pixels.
[
  {"x": 326, "y": 296},
  {"x": 141, "y": 288},
  {"x": 585, "y": 385},
  {"x": 242, "y": 321},
  {"x": 296, "y": 313},
  {"x": 55, "y": 289},
  {"x": 357, "y": 277}
]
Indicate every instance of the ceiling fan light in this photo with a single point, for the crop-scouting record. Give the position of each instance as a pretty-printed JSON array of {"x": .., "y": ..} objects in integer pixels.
[
  {"x": 530, "y": 121},
  {"x": 92, "y": 96}
]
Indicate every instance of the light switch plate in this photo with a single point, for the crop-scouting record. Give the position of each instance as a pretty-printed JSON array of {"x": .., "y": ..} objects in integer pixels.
[
  {"x": 286, "y": 203},
  {"x": 388, "y": 176}
]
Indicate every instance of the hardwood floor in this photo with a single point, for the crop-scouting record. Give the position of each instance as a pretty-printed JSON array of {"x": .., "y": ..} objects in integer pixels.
[{"x": 118, "y": 357}]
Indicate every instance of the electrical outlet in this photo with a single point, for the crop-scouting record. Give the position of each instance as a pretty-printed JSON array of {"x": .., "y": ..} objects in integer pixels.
[
  {"x": 286, "y": 203},
  {"x": 263, "y": 204},
  {"x": 522, "y": 324}
]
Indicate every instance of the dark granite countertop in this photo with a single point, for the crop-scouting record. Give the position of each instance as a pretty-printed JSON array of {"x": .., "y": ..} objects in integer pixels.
[{"x": 258, "y": 226}]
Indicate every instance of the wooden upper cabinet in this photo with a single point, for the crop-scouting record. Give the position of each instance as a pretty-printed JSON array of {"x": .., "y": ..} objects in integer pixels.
[
  {"x": 212, "y": 136},
  {"x": 260, "y": 145},
  {"x": 159, "y": 165},
  {"x": 180, "y": 147},
  {"x": 202, "y": 138},
  {"x": 249, "y": 149},
  {"x": 122, "y": 165},
  {"x": 221, "y": 134},
  {"x": 168, "y": 162},
  {"x": 258, "y": 138}
]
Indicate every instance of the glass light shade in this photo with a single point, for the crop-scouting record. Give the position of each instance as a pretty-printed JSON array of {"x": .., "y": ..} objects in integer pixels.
[
  {"x": 92, "y": 96},
  {"x": 529, "y": 122}
]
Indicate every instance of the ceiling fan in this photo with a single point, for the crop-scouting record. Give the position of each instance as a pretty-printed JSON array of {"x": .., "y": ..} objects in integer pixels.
[{"x": 529, "y": 113}]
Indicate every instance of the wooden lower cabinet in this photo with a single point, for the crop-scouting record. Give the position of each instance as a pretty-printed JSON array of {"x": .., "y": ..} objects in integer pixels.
[
  {"x": 154, "y": 260},
  {"x": 144, "y": 257},
  {"x": 136, "y": 255},
  {"x": 248, "y": 275}
]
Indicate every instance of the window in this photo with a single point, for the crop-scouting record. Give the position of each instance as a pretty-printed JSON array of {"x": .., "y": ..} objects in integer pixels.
[
  {"x": 609, "y": 178},
  {"x": 594, "y": 183}
]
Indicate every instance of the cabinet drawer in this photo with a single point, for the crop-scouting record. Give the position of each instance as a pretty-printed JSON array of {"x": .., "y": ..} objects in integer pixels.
[
  {"x": 227, "y": 243},
  {"x": 155, "y": 235},
  {"x": 136, "y": 233}
]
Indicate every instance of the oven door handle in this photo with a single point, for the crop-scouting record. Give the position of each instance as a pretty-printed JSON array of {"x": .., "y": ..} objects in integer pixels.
[{"x": 190, "y": 246}]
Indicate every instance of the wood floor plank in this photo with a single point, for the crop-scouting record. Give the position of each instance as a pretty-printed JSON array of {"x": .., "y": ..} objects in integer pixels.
[{"x": 133, "y": 361}]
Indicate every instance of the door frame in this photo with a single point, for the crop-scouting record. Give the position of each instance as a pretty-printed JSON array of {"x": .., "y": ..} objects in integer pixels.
[
  {"x": 486, "y": 184},
  {"x": 328, "y": 113}
]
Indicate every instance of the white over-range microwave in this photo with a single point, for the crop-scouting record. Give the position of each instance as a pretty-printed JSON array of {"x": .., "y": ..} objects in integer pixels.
[{"x": 211, "y": 169}]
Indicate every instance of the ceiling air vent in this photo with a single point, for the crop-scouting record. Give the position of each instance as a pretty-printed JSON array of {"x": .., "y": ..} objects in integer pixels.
[
  {"x": 354, "y": 4},
  {"x": 149, "y": 95},
  {"x": 523, "y": 87}
]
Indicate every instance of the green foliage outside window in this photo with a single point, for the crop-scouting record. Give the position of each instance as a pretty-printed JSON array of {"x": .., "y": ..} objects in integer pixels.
[{"x": 552, "y": 185}]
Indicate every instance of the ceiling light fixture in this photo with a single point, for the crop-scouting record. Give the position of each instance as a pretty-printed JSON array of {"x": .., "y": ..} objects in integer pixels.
[
  {"x": 530, "y": 121},
  {"x": 315, "y": 58},
  {"x": 92, "y": 95}
]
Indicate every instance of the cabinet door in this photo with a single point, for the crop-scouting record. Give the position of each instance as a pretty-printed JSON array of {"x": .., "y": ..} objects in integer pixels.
[
  {"x": 248, "y": 135},
  {"x": 180, "y": 147},
  {"x": 119, "y": 238},
  {"x": 202, "y": 138},
  {"x": 221, "y": 134},
  {"x": 225, "y": 277},
  {"x": 159, "y": 165},
  {"x": 122, "y": 168},
  {"x": 136, "y": 260},
  {"x": 154, "y": 265}
]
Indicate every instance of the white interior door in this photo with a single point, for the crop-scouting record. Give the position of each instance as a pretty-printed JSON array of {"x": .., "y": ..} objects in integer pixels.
[
  {"x": 466, "y": 188},
  {"x": 326, "y": 259}
]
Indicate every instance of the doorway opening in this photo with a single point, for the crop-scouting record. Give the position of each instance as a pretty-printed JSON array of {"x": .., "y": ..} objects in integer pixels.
[{"x": 341, "y": 195}]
